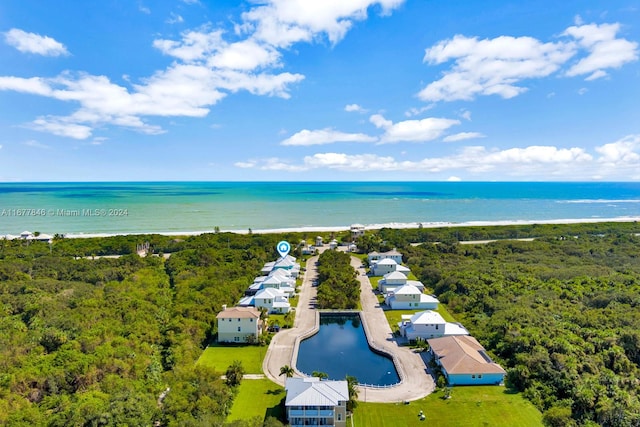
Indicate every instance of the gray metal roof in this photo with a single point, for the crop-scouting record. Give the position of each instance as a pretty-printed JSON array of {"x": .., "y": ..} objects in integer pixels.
[{"x": 313, "y": 392}]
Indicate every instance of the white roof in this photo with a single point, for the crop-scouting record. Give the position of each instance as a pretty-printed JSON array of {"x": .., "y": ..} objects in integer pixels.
[
  {"x": 402, "y": 269},
  {"x": 246, "y": 301},
  {"x": 427, "y": 317},
  {"x": 455, "y": 329},
  {"x": 269, "y": 293},
  {"x": 428, "y": 298},
  {"x": 406, "y": 290},
  {"x": 415, "y": 283},
  {"x": 313, "y": 392},
  {"x": 394, "y": 275},
  {"x": 387, "y": 261}
]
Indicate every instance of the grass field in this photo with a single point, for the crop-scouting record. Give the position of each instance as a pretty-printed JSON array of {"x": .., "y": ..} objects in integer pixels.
[
  {"x": 257, "y": 398},
  {"x": 468, "y": 406},
  {"x": 221, "y": 357}
]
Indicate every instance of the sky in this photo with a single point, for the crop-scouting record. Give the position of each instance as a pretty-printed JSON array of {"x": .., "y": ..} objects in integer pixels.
[{"x": 299, "y": 90}]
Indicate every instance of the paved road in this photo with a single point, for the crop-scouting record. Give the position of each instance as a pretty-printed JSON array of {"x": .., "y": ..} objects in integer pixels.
[
  {"x": 280, "y": 350},
  {"x": 416, "y": 382}
]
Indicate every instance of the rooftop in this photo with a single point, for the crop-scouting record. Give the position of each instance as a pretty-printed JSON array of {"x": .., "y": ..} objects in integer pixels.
[
  {"x": 239, "y": 313},
  {"x": 463, "y": 355},
  {"x": 313, "y": 392}
]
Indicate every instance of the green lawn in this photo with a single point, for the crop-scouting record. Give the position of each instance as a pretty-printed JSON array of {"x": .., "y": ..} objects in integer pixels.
[
  {"x": 468, "y": 406},
  {"x": 221, "y": 357},
  {"x": 257, "y": 398}
]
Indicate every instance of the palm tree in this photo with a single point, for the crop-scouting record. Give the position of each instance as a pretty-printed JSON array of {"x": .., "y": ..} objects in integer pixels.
[
  {"x": 287, "y": 371},
  {"x": 321, "y": 375},
  {"x": 352, "y": 382}
]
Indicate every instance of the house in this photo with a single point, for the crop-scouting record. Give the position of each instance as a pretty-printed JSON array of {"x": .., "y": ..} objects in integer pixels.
[
  {"x": 428, "y": 324},
  {"x": 357, "y": 230},
  {"x": 319, "y": 242},
  {"x": 465, "y": 362},
  {"x": 333, "y": 244},
  {"x": 384, "y": 266},
  {"x": 274, "y": 300},
  {"x": 237, "y": 324},
  {"x": 392, "y": 280},
  {"x": 311, "y": 401},
  {"x": 392, "y": 254},
  {"x": 285, "y": 263},
  {"x": 409, "y": 297}
]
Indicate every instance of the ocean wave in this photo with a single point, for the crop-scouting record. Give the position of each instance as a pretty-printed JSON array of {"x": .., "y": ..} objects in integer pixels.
[{"x": 600, "y": 201}]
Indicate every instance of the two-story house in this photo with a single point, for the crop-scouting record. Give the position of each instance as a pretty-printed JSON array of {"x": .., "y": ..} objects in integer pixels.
[
  {"x": 428, "y": 324},
  {"x": 409, "y": 297},
  {"x": 311, "y": 401},
  {"x": 236, "y": 324}
]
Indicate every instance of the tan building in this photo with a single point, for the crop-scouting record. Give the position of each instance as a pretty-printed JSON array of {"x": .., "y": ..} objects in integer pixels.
[{"x": 237, "y": 324}]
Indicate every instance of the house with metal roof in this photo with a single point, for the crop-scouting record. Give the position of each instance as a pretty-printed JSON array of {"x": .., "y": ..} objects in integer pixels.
[
  {"x": 410, "y": 297},
  {"x": 236, "y": 324},
  {"x": 377, "y": 256},
  {"x": 465, "y": 362},
  {"x": 428, "y": 324},
  {"x": 311, "y": 401}
]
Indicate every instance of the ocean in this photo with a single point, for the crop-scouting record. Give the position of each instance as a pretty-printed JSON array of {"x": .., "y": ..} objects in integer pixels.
[{"x": 192, "y": 207}]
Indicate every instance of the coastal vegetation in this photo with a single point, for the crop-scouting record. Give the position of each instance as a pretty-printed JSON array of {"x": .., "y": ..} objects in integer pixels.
[
  {"x": 114, "y": 341},
  {"x": 338, "y": 287}
]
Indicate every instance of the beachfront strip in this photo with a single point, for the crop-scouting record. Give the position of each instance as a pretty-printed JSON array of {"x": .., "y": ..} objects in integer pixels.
[{"x": 458, "y": 356}]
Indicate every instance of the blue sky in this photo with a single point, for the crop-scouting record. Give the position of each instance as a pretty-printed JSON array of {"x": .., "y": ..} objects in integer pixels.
[{"x": 298, "y": 90}]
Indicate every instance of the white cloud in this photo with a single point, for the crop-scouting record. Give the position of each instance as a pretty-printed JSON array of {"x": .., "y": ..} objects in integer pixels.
[
  {"x": 582, "y": 91},
  {"x": 174, "y": 18},
  {"x": 411, "y": 130},
  {"x": 490, "y": 66},
  {"x": 625, "y": 151},
  {"x": 534, "y": 161},
  {"x": 412, "y": 112},
  {"x": 191, "y": 1},
  {"x": 245, "y": 165},
  {"x": 498, "y": 66},
  {"x": 454, "y": 179},
  {"x": 281, "y": 23},
  {"x": 466, "y": 114},
  {"x": 207, "y": 68},
  {"x": 34, "y": 43},
  {"x": 463, "y": 136},
  {"x": 325, "y": 136},
  {"x": 605, "y": 50},
  {"x": 354, "y": 108}
]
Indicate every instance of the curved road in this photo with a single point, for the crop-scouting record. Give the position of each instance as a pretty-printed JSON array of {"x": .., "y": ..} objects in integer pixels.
[{"x": 416, "y": 381}]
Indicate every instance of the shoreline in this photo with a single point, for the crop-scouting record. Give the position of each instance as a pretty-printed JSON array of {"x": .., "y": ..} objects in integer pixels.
[{"x": 368, "y": 227}]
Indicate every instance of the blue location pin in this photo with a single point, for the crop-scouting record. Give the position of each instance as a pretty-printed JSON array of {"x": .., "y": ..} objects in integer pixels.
[{"x": 283, "y": 248}]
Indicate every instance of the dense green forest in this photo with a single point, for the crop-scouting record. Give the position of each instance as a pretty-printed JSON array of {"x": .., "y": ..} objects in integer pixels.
[
  {"x": 561, "y": 313},
  {"x": 338, "y": 287},
  {"x": 114, "y": 341}
]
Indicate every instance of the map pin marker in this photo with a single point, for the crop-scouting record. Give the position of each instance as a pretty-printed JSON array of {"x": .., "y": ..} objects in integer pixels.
[{"x": 283, "y": 248}]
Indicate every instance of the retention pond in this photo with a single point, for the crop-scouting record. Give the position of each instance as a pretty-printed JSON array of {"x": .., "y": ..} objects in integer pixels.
[{"x": 340, "y": 348}]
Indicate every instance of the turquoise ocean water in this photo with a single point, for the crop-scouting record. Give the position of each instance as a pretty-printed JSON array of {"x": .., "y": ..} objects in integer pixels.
[{"x": 181, "y": 207}]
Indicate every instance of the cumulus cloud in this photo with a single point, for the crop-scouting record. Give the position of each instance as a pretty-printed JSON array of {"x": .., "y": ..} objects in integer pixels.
[
  {"x": 411, "y": 130},
  {"x": 206, "y": 68},
  {"x": 463, "y": 136},
  {"x": 625, "y": 151},
  {"x": 325, "y": 136},
  {"x": 34, "y": 43},
  {"x": 499, "y": 66},
  {"x": 605, "y": 50}
]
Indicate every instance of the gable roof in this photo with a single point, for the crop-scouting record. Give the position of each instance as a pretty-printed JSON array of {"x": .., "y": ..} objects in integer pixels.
[
  {"x": 269, "y": 293},
  {"x": 239, "y": 313},
  {"x": 463, "y": 355},
  {"x": 406, "y": 290},
  {"x": 387, "y": 261},
  {"x": 313, "y": 392}
]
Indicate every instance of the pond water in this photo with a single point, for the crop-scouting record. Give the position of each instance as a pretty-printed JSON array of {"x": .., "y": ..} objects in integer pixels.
[{"x": 340, "y": 348}]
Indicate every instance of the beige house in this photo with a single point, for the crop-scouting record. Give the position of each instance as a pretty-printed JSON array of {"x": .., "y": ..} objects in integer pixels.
[{"x": 237, "y": 324}]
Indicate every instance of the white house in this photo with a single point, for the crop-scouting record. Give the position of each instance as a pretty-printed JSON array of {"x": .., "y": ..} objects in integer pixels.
[
  {"x": 392, "y": 254},
  {"x": 285, "y": 263},
  {"x": 392, "y": 280},
  {"x": 237, "y": 324},
  {"x": 465, "y": 362},
  {"x": 333, "y": 244},
  {"x": 384, "y": 266},
  {"x": 428, "y": 324},
  {"x": 409, "y": 297},
  {"x": 274, "y": 300},
  {"x": 357, "y": 230},
  {"x": 311, "y": 401}
]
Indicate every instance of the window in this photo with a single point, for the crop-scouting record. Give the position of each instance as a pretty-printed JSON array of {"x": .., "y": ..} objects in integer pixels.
[
  {"x": 473, "y": 376},
  {"x": 436, "y": 326},
  {"x": 251, "y": 320},
  {"x": 479, "y": 375},
  {"x": 239, "y": 328},
  {"x": 236, "y": 339},
  {"x": 339, "y": 416}
]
